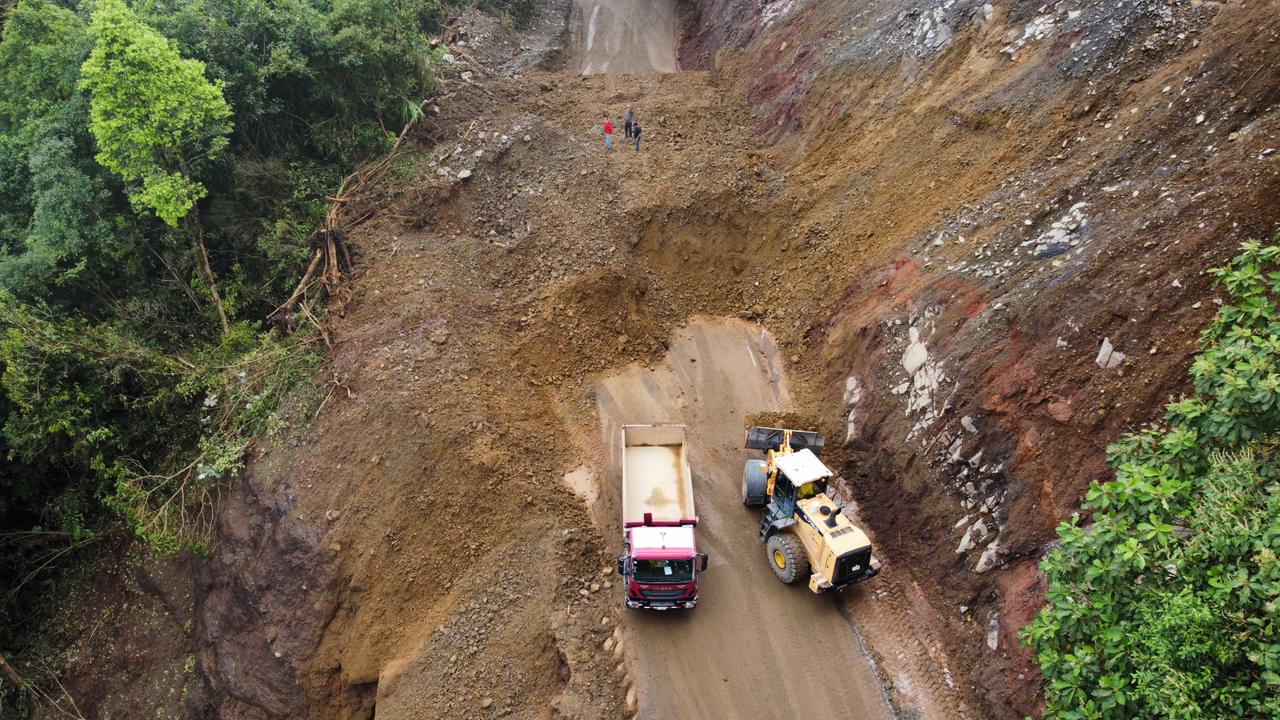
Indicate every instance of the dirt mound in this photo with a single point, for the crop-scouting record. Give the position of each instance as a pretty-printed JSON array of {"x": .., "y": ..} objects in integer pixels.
[
  {"x": 590, "y": 323},
  {"x": 788, "y": 420}
]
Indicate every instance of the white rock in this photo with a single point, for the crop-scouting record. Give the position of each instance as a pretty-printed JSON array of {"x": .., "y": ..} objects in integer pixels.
[
  {"x": 1108, "y": 356},
  {"x": 852, "y": 391},
  {"x": 915, "y": 355},
  {"x": 988, "y": 558},
  {"x": 464, "y": 174},
  {"x": 993, "y": 631}
]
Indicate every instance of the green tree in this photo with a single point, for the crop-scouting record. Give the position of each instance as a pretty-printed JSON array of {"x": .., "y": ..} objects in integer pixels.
[
  {"x": 53, "y": 204},
  {"x": 1165, "y": 604},
  {"x": 40, "y": 57},
  {"x": 156, "y": 118}
]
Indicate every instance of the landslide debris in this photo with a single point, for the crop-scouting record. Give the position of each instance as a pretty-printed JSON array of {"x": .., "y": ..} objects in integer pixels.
[{"x": 939, "y": 210}]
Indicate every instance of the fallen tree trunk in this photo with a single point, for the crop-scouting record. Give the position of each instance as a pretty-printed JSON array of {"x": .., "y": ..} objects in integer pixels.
[
  {"x": 331, "y": 257},
  {"x": 196, "y": 233}
]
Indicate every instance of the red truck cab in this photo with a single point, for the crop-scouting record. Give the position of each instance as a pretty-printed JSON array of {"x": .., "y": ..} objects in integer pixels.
[{"x": 661, "y": 566}]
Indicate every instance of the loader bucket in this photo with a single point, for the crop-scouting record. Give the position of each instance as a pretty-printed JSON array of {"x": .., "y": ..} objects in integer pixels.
[{"x": 764, "y": 438}]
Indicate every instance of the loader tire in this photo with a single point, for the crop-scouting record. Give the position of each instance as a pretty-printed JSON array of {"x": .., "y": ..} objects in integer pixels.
[
  {"x": 755, "y": 483},
  {"x": 787, "y": 557}
]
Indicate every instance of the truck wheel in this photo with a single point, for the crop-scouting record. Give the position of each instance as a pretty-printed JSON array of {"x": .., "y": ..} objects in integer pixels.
[
  {"x": 755, "y": 483},
  {"x": 787, "y": 557}
]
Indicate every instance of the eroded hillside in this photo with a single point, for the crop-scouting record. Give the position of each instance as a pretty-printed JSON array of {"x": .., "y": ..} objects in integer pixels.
[{"x": 912, "y": 225}]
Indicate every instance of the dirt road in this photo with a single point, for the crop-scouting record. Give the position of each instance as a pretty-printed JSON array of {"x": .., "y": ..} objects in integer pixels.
[
  {"x": 753, "y": 647},
  {"x": 624, "y": 37}
]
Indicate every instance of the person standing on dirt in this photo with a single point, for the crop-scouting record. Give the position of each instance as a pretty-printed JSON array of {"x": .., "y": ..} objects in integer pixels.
[
  {"x": 626, "y": 122},
  {"x": 608, "y": 133},
  {"x": 635, "y": 133}
]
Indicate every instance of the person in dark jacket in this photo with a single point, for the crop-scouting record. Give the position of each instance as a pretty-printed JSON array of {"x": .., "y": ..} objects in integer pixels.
[
  {"x": 635, "y": 133},
  {"x": 627, "y": 120}
]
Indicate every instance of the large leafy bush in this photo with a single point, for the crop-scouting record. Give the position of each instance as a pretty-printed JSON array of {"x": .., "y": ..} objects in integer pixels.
[{"x": 1164, "y": 604}]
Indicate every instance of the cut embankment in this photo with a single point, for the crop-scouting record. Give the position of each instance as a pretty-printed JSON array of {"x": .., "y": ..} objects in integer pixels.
[{"x": 619, "y": 37}]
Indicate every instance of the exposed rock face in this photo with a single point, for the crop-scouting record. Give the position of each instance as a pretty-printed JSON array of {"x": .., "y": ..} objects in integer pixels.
[
  {"x": 1035, "y": 189},
  {"x": 263, "y": 600}
]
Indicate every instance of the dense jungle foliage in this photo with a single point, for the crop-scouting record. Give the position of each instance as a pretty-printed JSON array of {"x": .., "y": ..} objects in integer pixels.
[
  {"x": 162, "y": 166},
  {"x": 1164, "y": 604}
]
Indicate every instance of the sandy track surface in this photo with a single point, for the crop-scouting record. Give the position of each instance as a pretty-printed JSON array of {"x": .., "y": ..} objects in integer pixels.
[
  {"x": 624, "y": 36},
  {"x": 753, "y": 647}
]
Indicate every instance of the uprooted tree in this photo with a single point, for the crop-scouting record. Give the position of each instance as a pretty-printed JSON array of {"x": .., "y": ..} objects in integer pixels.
[{"x": 156, "y": 118}]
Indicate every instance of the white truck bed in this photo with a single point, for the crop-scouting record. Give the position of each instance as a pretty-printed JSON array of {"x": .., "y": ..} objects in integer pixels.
[{"x": 655, "y": 474}]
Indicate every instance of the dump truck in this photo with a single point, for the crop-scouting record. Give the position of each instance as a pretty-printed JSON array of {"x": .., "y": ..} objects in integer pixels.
[
  {"x": 806, "y": 533},
  {"x": 661, "y": 562}
]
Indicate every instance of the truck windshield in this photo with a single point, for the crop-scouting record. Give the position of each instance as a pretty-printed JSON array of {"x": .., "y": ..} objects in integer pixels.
[{"x": 663, "y": 571}]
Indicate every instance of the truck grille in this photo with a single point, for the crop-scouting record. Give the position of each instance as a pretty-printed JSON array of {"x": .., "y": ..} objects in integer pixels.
[{"x": 664, "y": 594}]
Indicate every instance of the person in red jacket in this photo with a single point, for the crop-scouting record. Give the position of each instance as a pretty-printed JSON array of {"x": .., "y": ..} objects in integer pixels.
[{"x": 608, "y": 133}]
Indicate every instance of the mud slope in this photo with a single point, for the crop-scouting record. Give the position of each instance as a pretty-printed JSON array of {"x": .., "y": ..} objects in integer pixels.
[
  {"x": 623, "y": 36},
  {"x": 939, "y": 210},
  {"x": 893, "y": 196},
  {"x": 990, "y": 192},
  {"x": 743, "y": 651}
]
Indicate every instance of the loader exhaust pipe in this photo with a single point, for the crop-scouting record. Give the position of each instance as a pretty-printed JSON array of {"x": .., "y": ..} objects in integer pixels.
[{"x": 831, "y": 520}]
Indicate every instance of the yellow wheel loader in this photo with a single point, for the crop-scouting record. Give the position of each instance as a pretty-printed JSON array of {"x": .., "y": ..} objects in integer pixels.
[{"x": 805, "y": 533}]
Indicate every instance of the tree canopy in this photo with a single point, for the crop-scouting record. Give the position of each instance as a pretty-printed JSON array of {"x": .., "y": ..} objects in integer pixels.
[
  {"x": 153, "y": 113},
  {"x": 1164, "y": 604}
]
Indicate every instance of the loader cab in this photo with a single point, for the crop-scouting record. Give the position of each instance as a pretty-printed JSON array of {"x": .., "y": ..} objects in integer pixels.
[
  {"x": 801, "y": 475},
  {"x": 786, "y": 494}
]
